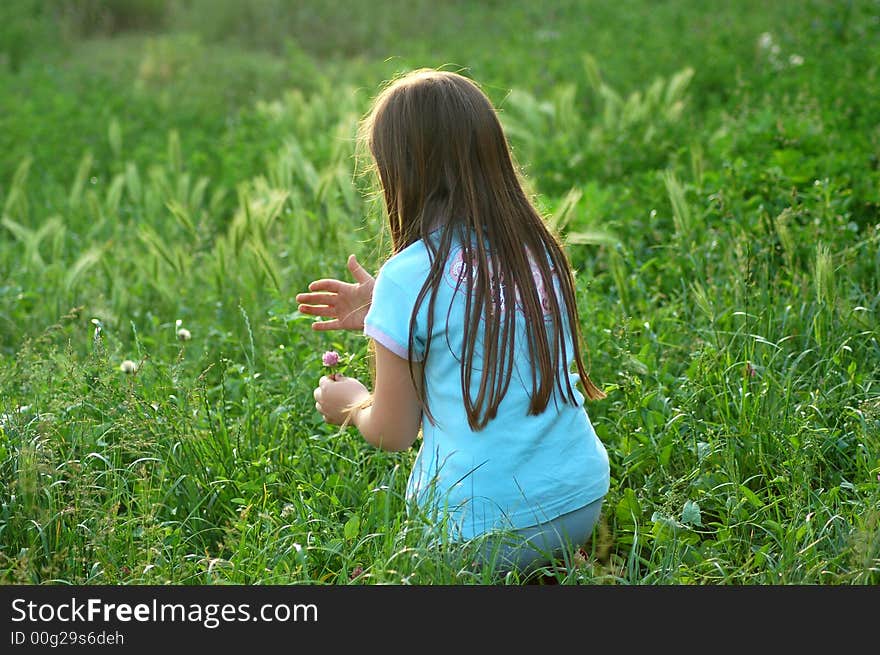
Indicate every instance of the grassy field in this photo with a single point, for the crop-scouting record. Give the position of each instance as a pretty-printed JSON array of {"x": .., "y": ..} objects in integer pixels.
[{"x": 714, "y": 167}]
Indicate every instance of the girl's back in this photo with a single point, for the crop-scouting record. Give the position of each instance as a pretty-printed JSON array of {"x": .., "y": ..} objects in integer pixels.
[{"x": 520, "y": 469}]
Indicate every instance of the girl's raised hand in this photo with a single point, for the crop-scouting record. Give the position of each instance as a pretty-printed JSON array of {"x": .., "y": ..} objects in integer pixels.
[{"x": 343, "y": 303}]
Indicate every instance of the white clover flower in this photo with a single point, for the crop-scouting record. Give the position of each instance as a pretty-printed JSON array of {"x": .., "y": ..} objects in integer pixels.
[
  {"x": 183, "y": 334},
  {"x": 128, "y": 367},
  {"x": 765, "y": 41},
  {"x": 796, "y": 60}
]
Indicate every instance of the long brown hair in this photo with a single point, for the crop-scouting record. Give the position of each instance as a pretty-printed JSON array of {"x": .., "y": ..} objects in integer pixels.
[{"x": 444, "y": 164}]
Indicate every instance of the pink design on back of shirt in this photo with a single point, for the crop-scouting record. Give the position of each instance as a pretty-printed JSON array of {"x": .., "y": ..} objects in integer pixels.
[{"x": 456, "y": 277}]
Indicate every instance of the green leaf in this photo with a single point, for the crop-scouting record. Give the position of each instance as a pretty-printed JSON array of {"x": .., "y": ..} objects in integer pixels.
[
  {"x": 591, "y": 237},
  {"x": 690, "y": 515},
  {"x": 664, "y": 527},
  {"x": 628, "y": 511},
  {"x": 751, "y": 496},
  {"x": 352, "y": 527}
]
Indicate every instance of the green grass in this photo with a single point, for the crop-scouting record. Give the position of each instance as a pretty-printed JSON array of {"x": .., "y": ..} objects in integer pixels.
[{"x": 721, "y": 203}]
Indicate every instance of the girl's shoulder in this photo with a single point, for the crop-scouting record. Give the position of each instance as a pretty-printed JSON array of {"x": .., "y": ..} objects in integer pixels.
[{"x": 410, "y": 264}]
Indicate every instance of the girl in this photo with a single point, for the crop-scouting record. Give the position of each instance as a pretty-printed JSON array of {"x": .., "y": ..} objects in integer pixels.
[{"x": 475, "y": 328}]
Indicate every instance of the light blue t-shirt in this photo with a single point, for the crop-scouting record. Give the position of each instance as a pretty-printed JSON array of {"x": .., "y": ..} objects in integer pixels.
[{"x": 519, "y": 470}]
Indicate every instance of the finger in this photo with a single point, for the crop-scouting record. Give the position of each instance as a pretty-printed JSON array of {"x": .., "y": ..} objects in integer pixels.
[
  {"x": 316, "y": 394},
  {"x": 333, "y": 286},
  {"x": 324, "y": 326},
  {"x": 359, "y": 272},
  {"x": 318, "y": 310},
  {"x": 324, "y": 381},
  {"x": 315, "y": 298}
]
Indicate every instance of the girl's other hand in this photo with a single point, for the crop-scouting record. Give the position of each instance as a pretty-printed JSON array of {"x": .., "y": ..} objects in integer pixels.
[
  {"x": 336, "y": 395},
  {"x": 345, "y": 304}
]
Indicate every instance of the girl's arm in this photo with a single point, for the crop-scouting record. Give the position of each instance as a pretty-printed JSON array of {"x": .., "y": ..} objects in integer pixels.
[{"x": 392, "y": 420}]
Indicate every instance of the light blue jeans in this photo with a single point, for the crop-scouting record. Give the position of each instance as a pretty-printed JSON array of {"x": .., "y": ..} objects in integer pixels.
[{"x": 528, "y": 548}]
